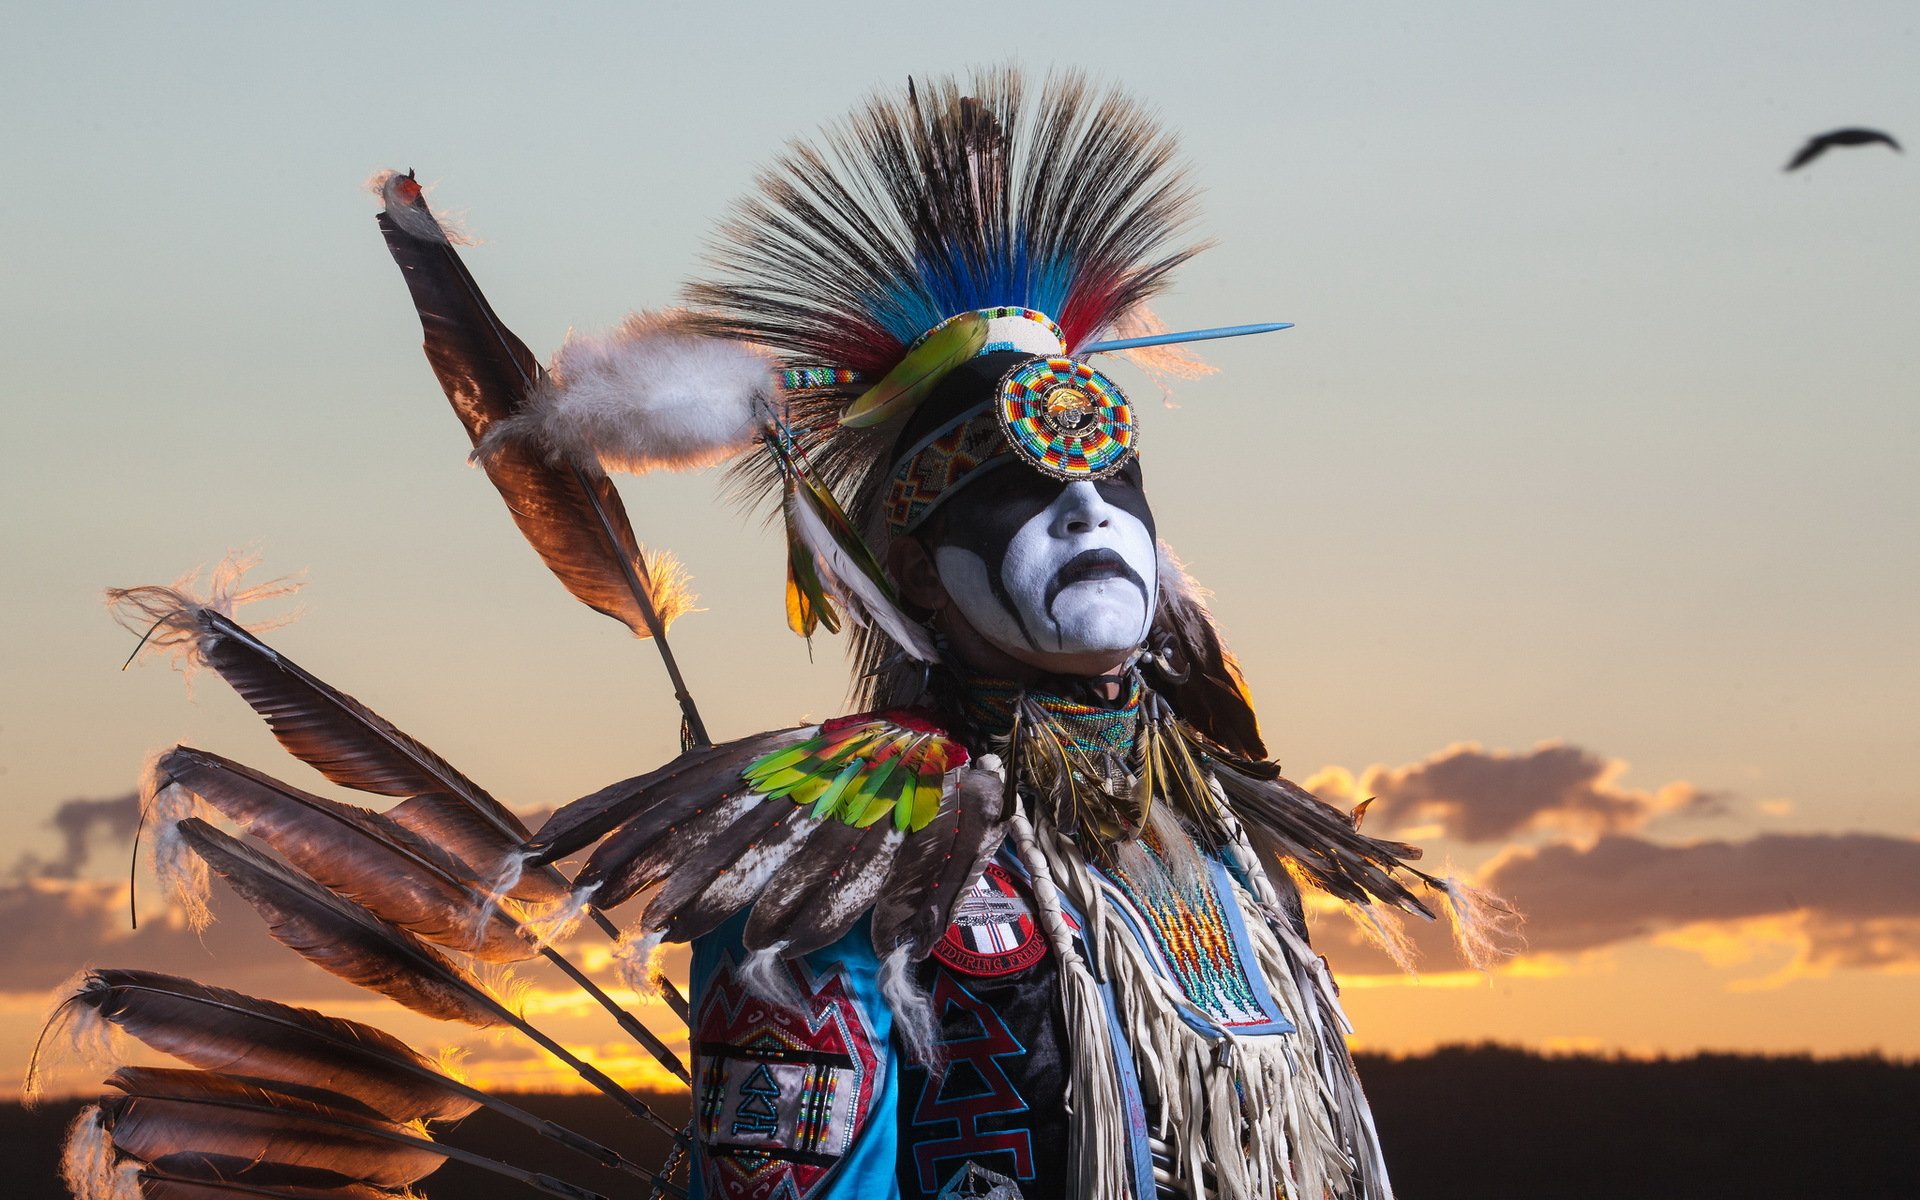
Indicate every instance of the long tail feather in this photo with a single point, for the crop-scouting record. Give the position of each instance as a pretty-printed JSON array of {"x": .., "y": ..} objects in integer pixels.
[
  {"x": 222, "y": 1030},
  {"x": 576, "y": 524},
  {"x": 830, "y": 849},
  {"x": 201, "y": 1124},
  {"x": 339, "y": 736},
  {"x": 197, "y": 1126},
  {"x": 644, "y": 851},
  {"x": 217, "y": 1029},
  {"x": 358, "y": 854},
  {"x": 343, "y": 938},
  {"x": 832, "y": 906},
  {"x": 723, "y": 876}
]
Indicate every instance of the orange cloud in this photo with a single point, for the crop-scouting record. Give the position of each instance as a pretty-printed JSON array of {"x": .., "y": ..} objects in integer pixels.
[
  {"x": 1853, "y": 899},
  {"x": 1476, "y": 795}
]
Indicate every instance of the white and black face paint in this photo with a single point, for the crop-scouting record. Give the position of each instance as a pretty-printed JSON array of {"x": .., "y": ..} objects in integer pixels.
[{"x": 1041, "y": 566}]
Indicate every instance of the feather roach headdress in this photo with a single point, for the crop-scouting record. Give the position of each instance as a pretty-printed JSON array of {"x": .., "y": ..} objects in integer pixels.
[{"x": 950, "y": 226}]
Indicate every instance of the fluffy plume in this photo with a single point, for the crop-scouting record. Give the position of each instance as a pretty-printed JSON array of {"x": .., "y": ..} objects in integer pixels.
[
  {"x": 636, "y": 955},
  {"x": 403, "y": 197},
  {"x": 912, "y": 1008},
  {"x": 1384, "y": 927},
  {"x": 652, "y": 395},
  {"x": 89, "y": 1165},
  {"x": 1162, "y": 363},
  {"x": 164, "y": 803},
  {"x": 1486, "y": 929},
  {"x": 765, "y": 974},
  {"x": 69, "y": 1032},
  {"x": 169, "y": 618}
]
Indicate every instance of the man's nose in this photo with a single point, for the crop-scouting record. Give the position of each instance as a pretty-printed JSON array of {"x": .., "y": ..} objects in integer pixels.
[{"x": 1081, "y": 510}]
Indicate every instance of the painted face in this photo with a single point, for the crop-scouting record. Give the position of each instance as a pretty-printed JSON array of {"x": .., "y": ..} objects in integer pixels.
[{"x": 1040, "y": 566}]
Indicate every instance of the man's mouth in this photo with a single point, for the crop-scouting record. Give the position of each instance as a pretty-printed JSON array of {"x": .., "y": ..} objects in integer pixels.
[{"x": 1090, "y": 565}]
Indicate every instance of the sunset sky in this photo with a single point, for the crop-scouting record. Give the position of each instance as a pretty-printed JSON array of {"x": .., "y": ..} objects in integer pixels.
[{"x": 1576, "y": 521}]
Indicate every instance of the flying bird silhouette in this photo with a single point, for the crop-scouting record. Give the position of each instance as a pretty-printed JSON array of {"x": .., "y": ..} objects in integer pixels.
[{"x": 1817, "y": 146}]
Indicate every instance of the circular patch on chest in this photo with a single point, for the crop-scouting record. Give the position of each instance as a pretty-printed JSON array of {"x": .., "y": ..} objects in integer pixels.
[{"x": 993, "y": 930}]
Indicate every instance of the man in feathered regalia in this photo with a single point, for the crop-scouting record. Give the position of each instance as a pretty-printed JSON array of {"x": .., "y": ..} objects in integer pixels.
[{"x": 1028, "y": 925}]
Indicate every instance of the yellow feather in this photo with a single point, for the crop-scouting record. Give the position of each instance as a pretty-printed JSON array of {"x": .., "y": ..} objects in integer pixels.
[{"x": 904, "y": 387}]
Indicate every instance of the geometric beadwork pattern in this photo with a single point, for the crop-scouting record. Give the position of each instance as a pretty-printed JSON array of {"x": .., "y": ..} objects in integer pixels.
[
  {"x": 1065, "y": 418},
  {"x": 939, "y": 466}
]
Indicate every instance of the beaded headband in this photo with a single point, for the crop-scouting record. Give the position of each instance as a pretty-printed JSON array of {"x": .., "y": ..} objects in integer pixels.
[{"x": 1054, "y": 413}]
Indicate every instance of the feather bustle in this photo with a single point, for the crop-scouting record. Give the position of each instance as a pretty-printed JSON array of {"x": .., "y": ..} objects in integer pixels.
[
  {"x": 829, "y": 850},
  {"x": 688, "y": 781},
  {"x": 645, "y": 850},
  {"x": 715, "y": 879},
  {"x": 937, "y": 865},
  {"x": 832, "y": 907}
]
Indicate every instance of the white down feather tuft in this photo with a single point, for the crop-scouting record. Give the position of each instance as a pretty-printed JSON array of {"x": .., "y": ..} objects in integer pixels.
[{"x": 651, "y": 395}]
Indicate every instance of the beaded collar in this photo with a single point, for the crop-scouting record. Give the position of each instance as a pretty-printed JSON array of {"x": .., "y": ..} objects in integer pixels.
[{"x": 1089, "y": 725}]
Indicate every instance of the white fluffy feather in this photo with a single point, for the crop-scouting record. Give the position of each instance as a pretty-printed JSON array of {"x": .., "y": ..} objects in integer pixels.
[
  {"x": 88, "y": 1163},
  {"x": 651, "y": 395},
  {"x": 1486, "y": 929},
  {"x": 912, "y": 1008},
  {"x": 636, "y": 956},
  {"x": 182, "y": 872}
]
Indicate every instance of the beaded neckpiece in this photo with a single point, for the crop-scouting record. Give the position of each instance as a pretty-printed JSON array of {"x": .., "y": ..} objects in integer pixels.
[
  {"x": 1085, "y": 726},
  {"x": 1094, "y": 768}
]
